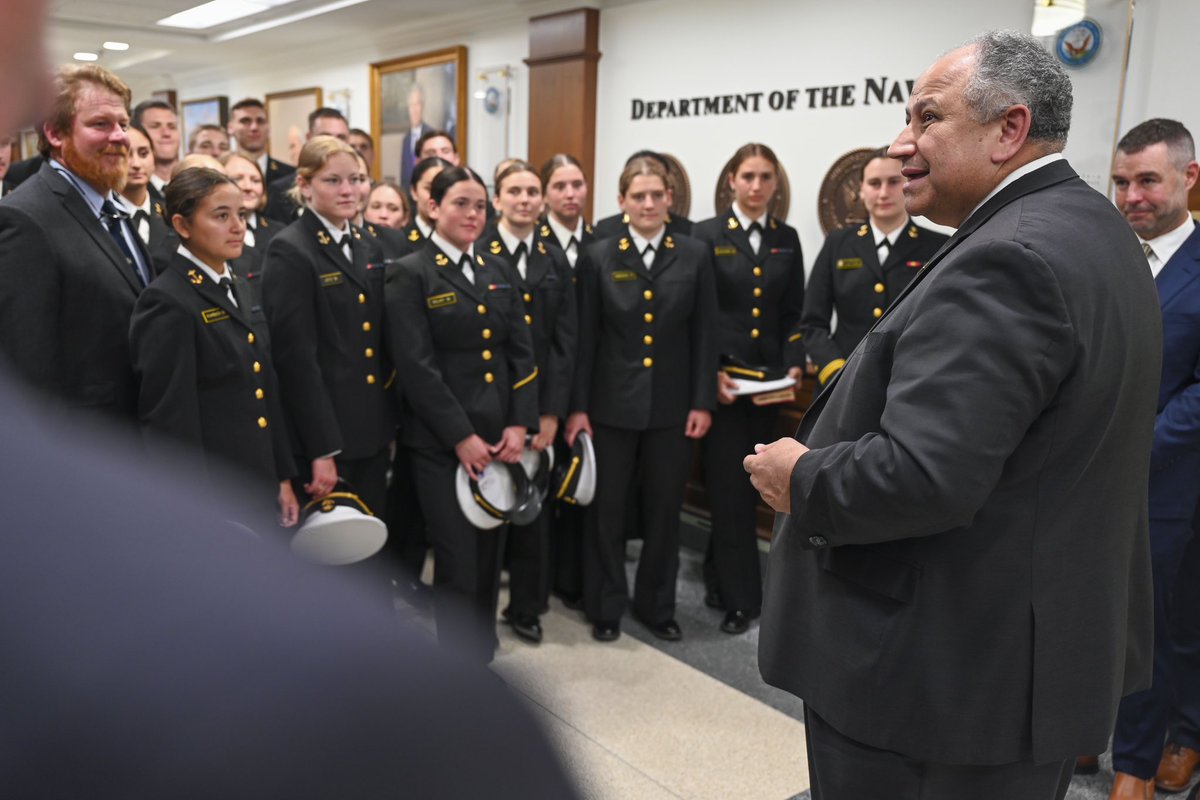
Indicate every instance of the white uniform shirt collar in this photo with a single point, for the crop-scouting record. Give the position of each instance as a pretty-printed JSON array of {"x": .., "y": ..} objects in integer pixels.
[
  {"x": 511, "y": 241},
  {"x": 423, "y": 227},
  {"x": 640, "y": 243},
  {"x": 214, "y": 276},
  {"x": 453, "y": 253},
  {"x": 158, "y": 182},
  {"x": 745, "y": 219},
  {"x": 334, "y": 231},
  {"x": 877, "y": 235},
  {"x": 262, "y": 162},
  {"x": 562, "y": 233}
]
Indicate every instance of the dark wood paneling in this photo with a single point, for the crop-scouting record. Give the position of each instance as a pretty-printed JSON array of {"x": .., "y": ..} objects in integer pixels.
[{"x": 562, "y": 87}]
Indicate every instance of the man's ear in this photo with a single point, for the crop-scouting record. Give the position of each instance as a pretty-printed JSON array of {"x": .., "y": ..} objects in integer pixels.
[
  {"x": 52, "y": 136},
  {"x": 1014, "y": 132}
]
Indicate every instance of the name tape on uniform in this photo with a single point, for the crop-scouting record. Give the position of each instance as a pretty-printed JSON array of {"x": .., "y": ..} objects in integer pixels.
[
  {"x": 849, "y": 263},
  {"x": 439, "y": 300},
  {"x": 331, "y": 278},
  {"x": 625, "y": 275},
  {"x": 211, "y": 315}
]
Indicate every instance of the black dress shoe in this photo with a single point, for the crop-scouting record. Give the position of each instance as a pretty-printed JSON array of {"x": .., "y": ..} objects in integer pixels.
[
  {"x": 712, "y": 599},
  {"x": 606, "y": 631},
  {"x": 737, "y": 621},
  {"x": 668, "y": 630},
  {"x": 527, "y": 627}
]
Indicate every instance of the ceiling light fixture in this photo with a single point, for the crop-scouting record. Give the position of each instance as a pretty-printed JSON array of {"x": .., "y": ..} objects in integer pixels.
[
  {"x": 116, "y": 45},
  {"x": 86, "y": 57},
  {"x": 267, "y": 25},
  {"x": 218, "y": 12}
]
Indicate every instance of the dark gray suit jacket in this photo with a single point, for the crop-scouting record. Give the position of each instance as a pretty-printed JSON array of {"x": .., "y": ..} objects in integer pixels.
[
  {"x": 66, "y": 297},
  {"x": 964, "y": 577}
]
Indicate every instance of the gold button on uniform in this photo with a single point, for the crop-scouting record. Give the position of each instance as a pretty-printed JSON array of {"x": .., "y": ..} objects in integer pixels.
[
  {"x": 482, "y": 309},
  {"x": 370, "y": 379},
  {"x": 758, "y": 272},
  {"x": 648, "y": 339},
  {"x": 487, "y": 355},
  {"x": 369, "y": 352},
  {"x": 649, "y": 295},
  {"x": 258, "y": 394},
  {"x": 879, "y": 287},
  {"x": 647, "y": 362},
  {"x": 758, "y": 291},
  {"x": 489, "y": 377},
  {"x": 754, "y": 312},
  {"x": 754, "y": 333},
  {"x": 878, "y": 313},
  {"x": 366, "y": 326},
  {"x": 528, "y": 320},
  {"x": 262, "y": 422},
  {"x": 487, "y": 333},
  {"x": 362, "y": 298},
  {"x": 257, "y": 367},
  {"x": 528, "y": 297},
  {"x": 250, "y": 338},
  {"x": 648, "y": 317}
]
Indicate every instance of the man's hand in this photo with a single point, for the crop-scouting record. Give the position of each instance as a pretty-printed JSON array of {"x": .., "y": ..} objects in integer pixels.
[
  {"x": 324, "y": 477},
  {"x": 770, "y": 471}
]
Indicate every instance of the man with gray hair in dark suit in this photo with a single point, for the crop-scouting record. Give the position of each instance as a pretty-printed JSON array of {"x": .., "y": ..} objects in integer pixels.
[{"x": 971, "y": 486}]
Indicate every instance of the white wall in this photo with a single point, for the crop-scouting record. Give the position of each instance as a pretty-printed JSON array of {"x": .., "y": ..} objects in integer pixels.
[
  {"x": 334, "y": 71},
  {"x": 1162, "y": 78},
  {"x": 685, "y": 48}
]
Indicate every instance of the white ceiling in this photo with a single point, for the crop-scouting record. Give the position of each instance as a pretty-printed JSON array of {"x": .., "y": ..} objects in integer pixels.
[{"x": 157, "y": 52}]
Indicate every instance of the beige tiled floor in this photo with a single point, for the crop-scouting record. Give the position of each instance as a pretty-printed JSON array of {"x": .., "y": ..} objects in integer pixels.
[{"x": 635, "y": 724}]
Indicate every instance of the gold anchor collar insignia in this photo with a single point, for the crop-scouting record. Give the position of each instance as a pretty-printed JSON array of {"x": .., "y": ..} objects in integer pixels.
[
  {"x": 195, "y": 277},
  {"x": 772, "y": 223},
  {"x": 158, "y": 209},
  {"x": 542, "y": 248},
  {"x": 545, "y": 231},
  {"x": 323, "y": 237},
  {"x": 494, "y": 247},
  {"x": 624, "y": 219},
  {"x": 441, "y": 260},
  {"x": 414, "y": 235},
  {"x": 862, "y": 231},
  {"x": 479, "y": 260},
  {"x": 587, "y": 229},
  {"x": 623, "y": 245},
  {"x": 355, "y": 232},
  {"x": 912, "y": 231},
  {"x": 733, "y": 224},
  {"x": 669, "y": 243}
]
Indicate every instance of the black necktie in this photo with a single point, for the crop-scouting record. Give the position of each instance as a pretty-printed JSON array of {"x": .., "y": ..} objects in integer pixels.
[
  {"x": 139, "y": 217},
  {"x": 226, "y": 284},
  {"x": 753, "y": 229},
  {"x": 522, "y": 250},
  {"x": 464, "y": 266},
  {"x": 572, "y": 242},
  {"x": 345, "y": 249},
  {"x": 112, "y": 222},
  {"x": 649, "y": 251}
]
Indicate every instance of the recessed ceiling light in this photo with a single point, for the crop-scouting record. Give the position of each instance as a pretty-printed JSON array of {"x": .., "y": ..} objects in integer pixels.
[
  {"x": 267, "y": 25},
  {"x": 116, "y": 45},
  {"x": 86, "y": 57},
  {"x": 218, "y": 12}
]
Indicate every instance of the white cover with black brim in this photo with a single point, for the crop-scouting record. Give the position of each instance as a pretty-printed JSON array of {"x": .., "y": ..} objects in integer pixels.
[{"x": 340, "y": 536}]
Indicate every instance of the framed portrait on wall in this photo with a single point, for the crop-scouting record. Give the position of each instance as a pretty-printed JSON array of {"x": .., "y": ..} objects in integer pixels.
[
  {"x": 288, "y": 114},
  {"x": 29, "y": 143},
  {"x": 206, "y": 111},
  {"x": 413, "y": 95}
]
